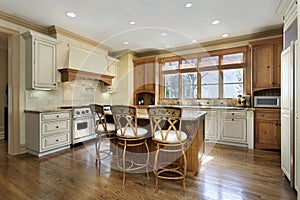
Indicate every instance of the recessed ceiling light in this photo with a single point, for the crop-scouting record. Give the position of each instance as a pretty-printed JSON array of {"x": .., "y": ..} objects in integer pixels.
[
  {"x": 131, "y": 22},
  {"x": 126, "y": 42},
  {"x": 167, "y": 46},
  {"x": 164, "y": 34},
  {"x": 71, "y": 14},
  {"x": 215, "y": 22},
  {"x": 225, "y": 35},
  {"x": 193, "y": 41},
  {"x": 188, "y": 5}
]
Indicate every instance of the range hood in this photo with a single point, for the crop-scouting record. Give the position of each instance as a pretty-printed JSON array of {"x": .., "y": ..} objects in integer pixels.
[{"x": 84, "y": 64}]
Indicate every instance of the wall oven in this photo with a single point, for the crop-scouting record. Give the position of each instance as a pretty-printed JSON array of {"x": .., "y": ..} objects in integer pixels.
[{"x": 267, "y": 101}]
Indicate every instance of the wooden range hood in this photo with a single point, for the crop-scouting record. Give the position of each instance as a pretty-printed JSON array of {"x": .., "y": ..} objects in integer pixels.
[{"x": 69, "y": 74}]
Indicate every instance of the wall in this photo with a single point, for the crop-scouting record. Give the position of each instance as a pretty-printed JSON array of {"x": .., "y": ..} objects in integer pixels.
[{"x": 3, "y": 79}]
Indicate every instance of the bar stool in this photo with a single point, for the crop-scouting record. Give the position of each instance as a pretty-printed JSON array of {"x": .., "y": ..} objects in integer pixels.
[
  {"x": 130, "y": 135},
  {"x": 167, "y": 135},
  {"x": 104, "y": 130}
]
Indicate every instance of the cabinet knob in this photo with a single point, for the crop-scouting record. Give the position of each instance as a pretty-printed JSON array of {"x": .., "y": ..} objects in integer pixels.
[
  {"x": 268, "y": 67},
  {"x": 57, "y": 116},
  {"x": 57, "y": 126},
  {"x": 57, "y": 140},
  {"x": 232, "y": 119}
]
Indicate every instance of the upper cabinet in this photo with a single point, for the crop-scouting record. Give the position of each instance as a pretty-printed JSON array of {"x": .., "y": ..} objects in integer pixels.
[
  {"x": 266, "y": 63},
  {"x": 40, "y": 58},
  {"x": 145, "y": 80}
]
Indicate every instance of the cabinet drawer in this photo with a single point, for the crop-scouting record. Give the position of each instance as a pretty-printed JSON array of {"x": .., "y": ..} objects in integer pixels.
[
  {"x": 267, "y": 115},
  {"x": 55, "y": 141},
  {"x": 233, "y": 114},
  {"x": 55, "y": 116},
  {"x": 55, "y": 126}
]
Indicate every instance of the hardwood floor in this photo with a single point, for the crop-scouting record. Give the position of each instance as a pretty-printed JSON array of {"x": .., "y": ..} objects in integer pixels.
[{"x": 227, "y": 173}]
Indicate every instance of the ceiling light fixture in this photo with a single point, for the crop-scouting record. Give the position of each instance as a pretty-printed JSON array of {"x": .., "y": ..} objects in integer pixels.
[
  {"x": 215, "y": 22},
  {"x": 188, "y": 5},
  {"x": 126, "y": 42},
  {"x": 167, "y": 46},
  {"x": 225, "y": 35},
  {"x": 164, "y": 34},
  {"x": 71, "y": 14},
  {"x": 131, "y": 22},
  {"x": 193, "y": 41}
]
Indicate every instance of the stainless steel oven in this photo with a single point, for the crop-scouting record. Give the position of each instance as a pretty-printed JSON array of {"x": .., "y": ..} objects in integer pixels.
[{"x": 82, "y": 128}]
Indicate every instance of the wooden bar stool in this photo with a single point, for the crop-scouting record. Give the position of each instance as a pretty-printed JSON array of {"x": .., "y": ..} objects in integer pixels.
[
  {"x": 130, "y": 135},
  {"x": 169, "y": 139},
  {"x": 104, "y": 130}
]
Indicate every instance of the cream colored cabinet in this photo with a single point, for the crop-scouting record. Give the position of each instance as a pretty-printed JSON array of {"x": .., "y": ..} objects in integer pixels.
[
  {"x": 112, "y": 70},
  {"x": 234, "y": 126},
  {"x": 40, "y": 55},
  {"x": 47, "y": 132},
  {"x": 211, "y": 125}
]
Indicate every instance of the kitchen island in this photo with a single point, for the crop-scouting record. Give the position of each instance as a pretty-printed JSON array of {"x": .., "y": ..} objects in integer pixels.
[{"x": 193, "y": 123}]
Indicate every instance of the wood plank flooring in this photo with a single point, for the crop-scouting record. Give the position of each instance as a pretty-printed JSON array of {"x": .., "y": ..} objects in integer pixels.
[{"x": 226, "y": 173}]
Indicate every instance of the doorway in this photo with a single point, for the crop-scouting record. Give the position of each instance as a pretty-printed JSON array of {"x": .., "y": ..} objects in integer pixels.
[{"x": 3, "y": 87}]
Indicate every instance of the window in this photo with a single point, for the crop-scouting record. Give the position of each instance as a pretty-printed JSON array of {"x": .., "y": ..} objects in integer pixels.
[
  {"x": 216, "y": 74},
  {"x": 232, "y": 83},
  {"x": 189, "y": 85},
  {"x": 210, "y": 84},
  {"x": 171, "y": 85}
]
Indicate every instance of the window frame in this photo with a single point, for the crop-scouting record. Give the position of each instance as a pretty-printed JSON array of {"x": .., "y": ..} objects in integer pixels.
[{"x": 220, "y": 67}]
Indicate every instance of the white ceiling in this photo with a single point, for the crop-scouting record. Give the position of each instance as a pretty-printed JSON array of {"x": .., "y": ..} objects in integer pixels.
[{"x": 107, "y": 21}]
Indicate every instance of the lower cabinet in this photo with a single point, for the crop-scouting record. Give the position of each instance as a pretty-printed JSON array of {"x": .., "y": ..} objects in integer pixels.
[
  {"x": 226, "y": 126},
  {"x": 47, "y": 132},
  {"x": 267, "y": 129}
]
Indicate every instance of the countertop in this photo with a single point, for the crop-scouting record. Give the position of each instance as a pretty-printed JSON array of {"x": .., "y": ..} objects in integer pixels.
[{"x": 47, "y": 110}]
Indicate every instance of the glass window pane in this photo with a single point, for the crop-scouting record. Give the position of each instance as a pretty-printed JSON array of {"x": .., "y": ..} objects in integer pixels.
[
  {"x": 233, "y": 58},
  {"x": 190, "y": 63},
  {"x": 209, "y": 61},
  {"x": 189, "y": 85},
  {"x": 171, "y": 65},
  {"x": 210, "y": 77},
  {"x": 171, "y": 85},
  {"x": 232, "y": 90},
  {"x": 233, "y": 76},
  {"x": 210, "y": 91}
]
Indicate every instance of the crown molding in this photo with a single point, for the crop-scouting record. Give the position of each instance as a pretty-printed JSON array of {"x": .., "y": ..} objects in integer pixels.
[
  {"x": 285, "y": 5},
  {"x": 54, "y": 30},
  {"x": 23, "y": 22},
  {"x": 277, "y": 31}
]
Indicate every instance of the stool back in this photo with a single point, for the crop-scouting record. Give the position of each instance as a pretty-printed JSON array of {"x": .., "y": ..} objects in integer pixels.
[{"x": 98, "y": 112}]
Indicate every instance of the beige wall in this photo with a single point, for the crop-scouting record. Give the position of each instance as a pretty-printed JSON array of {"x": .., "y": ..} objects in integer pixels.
[{"x": 3, "y": 78}]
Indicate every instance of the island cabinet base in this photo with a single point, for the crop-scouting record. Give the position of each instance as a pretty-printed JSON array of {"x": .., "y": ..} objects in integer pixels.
[{"x": 195, "y": 144}]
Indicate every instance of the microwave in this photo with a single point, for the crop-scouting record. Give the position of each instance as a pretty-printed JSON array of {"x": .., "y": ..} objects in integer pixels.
[{"x": 267, "y": 101}]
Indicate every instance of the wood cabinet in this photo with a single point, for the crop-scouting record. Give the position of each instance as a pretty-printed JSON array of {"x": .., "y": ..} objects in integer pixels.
[
  {"x": 267, "y": 129},
  {"x": 40, "y": 61},
  {"x": 47, "y": 132},
  {"x": 266, "y": 65},
  {"x": 145, "y": 79}
]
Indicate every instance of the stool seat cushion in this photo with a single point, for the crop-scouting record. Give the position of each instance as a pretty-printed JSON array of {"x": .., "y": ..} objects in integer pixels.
[
  {"x": 172, "y": 137},
  {"x": 109, "y": 126},
  {"x": 129, "y": 133}
]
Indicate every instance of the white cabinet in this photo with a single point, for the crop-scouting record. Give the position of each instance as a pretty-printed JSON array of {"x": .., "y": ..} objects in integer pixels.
[
  {"x": 40, "y": 61},
  {"x": 285, "y": 144},
  {"x": 112, "y": 70},
  {"x": 47, "y": 132},
  {"x": 211, "y": 126},
  {"x": 234, "y": 126}
]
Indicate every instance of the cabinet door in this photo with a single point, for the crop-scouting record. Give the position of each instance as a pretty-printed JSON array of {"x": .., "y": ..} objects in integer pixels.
[
  {"x": 211, "y": 125},
  {"x": 285, "y": 144},
  {"x": 139, "y": 77},
  {"x": 267, "y": 135},
  {"x": 149, "y": 76},
  {"x": 285, "y": 79},
  {"x": 263, "y": 64},
  {"x": 277, "y": 68},
  {"x": 44, "y": 66},
  {"x": 234, "y": 130}
]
